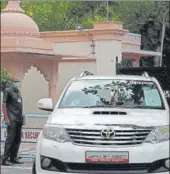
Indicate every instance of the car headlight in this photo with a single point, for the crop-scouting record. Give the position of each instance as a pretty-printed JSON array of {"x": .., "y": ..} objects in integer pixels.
[
  {"x": 158, "y": 134},
  {"x": 55, "y": 133}
]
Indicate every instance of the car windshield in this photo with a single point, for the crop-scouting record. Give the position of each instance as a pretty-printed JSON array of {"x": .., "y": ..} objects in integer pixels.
[{"x": 112, "y": 93}]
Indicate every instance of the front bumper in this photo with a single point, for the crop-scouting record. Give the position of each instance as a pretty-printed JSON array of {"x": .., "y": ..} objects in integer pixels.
[
  {"x": 70, "y": 153},
  {"x": 50, "y": 172}
]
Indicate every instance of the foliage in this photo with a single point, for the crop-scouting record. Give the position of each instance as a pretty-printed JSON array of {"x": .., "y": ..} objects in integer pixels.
[
  {"x": 166, "y": 51},
  {"x": 128, "y": 62},
  {"x": 123, "y": 91},
  {"x": 147, "y": 61},
  {"x": 2, "y": 4},
  {"x": 65, "y": 15},
  {"x": 143, "y": 17},
  {"x": 151, "y": 29},
  {"x": 5, "y": 79},
  {"x": 52, "y": 15},
  {"x": 132, "y": 13}
]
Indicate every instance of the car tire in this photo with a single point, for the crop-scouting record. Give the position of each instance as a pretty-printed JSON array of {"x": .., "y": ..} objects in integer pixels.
[{"x": 34, "y": 168}]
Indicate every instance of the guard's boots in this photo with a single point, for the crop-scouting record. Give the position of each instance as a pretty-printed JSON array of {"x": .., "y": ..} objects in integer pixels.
[
  {"x": 15, "y": 161},
  {"x": 6, "y": 155},
  {"x": 6, "y": 163}
]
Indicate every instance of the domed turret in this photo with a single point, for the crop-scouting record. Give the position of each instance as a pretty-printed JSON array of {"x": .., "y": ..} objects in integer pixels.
[
  {"x": 14, "y": 21},
  {"x": 19, "y": 32}
]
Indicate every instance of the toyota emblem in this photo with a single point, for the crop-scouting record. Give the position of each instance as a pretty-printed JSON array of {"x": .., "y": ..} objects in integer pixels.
[{"x": 108, "y": 133}]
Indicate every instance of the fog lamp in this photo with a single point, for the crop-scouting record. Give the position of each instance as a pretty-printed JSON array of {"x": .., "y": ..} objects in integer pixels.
[
  {"x": 153, "y": 138},
  {"x": 46, "y": 162},
  {"x": 167, "y": 163}
]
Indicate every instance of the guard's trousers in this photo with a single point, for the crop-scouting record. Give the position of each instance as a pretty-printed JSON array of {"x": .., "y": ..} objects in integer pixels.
[{"x": 13, "y": 140}]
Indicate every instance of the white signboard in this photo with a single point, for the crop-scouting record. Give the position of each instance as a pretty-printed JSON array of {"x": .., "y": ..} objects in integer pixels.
[{"x": 28, "y": 135}]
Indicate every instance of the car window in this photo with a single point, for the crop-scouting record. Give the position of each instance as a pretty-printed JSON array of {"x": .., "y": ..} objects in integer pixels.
[
  {"x": 152, "y": 97},
  {"x": 112, "y": 93}
]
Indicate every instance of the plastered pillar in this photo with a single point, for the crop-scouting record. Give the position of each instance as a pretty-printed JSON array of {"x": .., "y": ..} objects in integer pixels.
[
  {"x": 53, "y": 91},
  {"x": 52, "y": 81},
  {"x": 108, "y": 38}
]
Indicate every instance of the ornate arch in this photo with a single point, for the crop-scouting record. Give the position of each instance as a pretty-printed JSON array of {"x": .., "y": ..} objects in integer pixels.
[
  {"x": 38, "y": 70},
  {"x": 44, "y": 69},
  {"x": 49, "y": 70}
]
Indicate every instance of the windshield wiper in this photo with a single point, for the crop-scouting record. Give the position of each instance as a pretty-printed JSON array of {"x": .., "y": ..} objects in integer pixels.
[
  {"x": 141, "y": 107},
  {"x": 99, "y": 106},
  {"x": 149, "y": 107},
  {"x": 93, "y": 106}
]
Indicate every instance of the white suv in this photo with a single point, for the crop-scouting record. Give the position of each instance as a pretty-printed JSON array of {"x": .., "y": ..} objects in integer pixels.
[{"x": 106, "y": 125}]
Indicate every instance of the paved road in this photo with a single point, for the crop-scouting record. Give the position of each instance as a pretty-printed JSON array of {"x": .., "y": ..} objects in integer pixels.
[
  {"x": 25, "y": 168},
  {"x": 16, "y": 171},
  {"x": 26, "y": 150}
]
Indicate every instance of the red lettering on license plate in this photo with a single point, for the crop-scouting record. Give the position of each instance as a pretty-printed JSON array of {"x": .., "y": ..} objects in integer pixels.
[
  {"x": 106, "y": 160},
  {"x": 107, "y": 157}
]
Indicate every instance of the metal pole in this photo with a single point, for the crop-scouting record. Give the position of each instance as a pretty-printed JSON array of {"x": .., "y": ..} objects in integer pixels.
[
  {"x": 107, "y": 10},
  {"x": 163, "y": 35}
]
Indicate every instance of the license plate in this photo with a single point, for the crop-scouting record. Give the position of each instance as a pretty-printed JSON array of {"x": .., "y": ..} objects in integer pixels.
[{"x": 107, "y": 157}]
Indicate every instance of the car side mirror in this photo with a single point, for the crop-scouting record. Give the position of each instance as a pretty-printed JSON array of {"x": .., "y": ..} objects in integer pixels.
[{"x": 45, "y": 104}]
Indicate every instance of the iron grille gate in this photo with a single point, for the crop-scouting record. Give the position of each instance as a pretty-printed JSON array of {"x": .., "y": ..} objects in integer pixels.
[{"x": 162, "y": 74}]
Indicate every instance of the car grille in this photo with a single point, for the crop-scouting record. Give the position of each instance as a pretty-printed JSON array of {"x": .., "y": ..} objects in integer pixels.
[
  {"x": 108, "y": 168},
  {"x": 123, "y": 136}
]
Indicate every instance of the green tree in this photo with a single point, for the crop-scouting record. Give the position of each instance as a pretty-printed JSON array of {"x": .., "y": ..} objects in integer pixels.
[
  {"x": 99, "y": 14},
  {"x": 5, "y": 79},
  {"x": 143, "y": 17},
  {"x": 132, "y": 13},
  {"x": 2, "y": 4},
  {"x": 53, "y": 15},
  {"x": 126, "y": 63}
]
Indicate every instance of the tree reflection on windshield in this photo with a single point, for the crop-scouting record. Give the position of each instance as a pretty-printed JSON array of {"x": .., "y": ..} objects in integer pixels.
[{"x": 112, "y": 93}]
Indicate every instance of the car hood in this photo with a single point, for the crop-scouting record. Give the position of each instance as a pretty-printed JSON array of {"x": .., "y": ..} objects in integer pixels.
[{"x": 139, "y": 117}]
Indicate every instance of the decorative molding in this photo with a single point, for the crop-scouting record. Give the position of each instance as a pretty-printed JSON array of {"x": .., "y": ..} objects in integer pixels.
[
  {"x": 26, "y": 44},
  {"x": 84, "y": 36},
  {"x": 132, "y": 39},
  {"x": 130, "y": 46},
  {"x": 73, "y": 60},
  {"x": 18, "y": 33},
  {"x": 13, "y": 6},
  {"x": 108, "y": 25},
  {"x": 131, "y": 43},
  {"x": 141, "y": 52},
  {"x": 25, "y": 47}
]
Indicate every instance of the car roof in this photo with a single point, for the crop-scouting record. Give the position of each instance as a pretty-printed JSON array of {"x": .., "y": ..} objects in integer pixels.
[{"x": 116, "y": 77}]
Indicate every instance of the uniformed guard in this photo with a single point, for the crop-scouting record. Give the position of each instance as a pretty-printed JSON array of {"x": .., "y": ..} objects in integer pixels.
[{"x": 13, "y": 117}]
